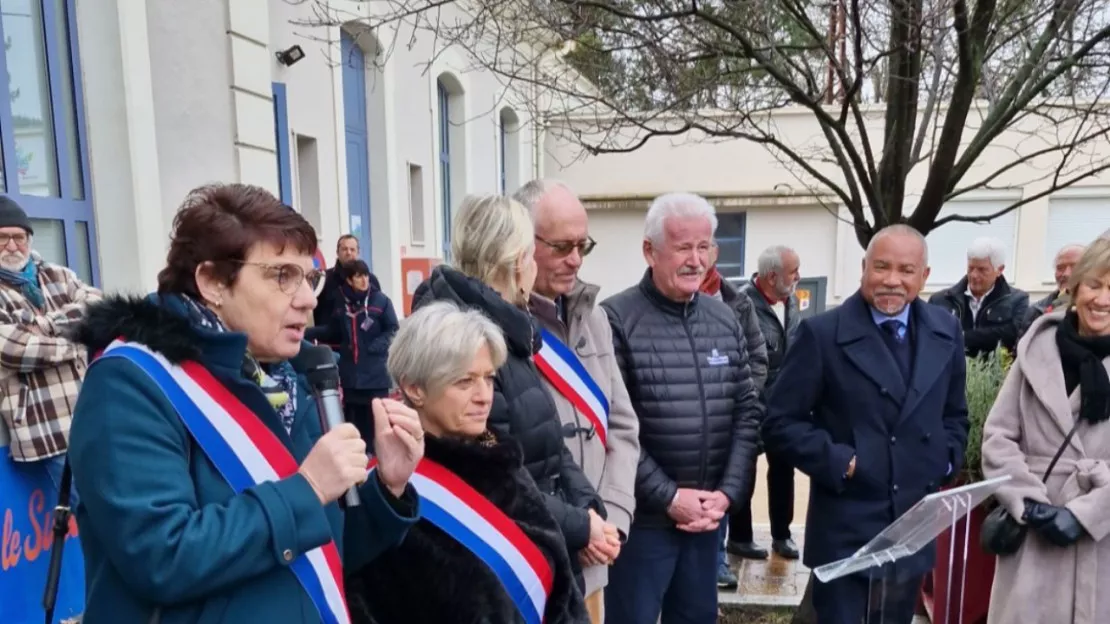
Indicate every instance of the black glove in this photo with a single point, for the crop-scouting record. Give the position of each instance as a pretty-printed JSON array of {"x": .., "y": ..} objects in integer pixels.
[{"x": 1058, "y": 525}]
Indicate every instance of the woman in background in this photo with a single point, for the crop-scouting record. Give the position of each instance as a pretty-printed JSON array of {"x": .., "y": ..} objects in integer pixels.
[{"x": 360, "y": 328}]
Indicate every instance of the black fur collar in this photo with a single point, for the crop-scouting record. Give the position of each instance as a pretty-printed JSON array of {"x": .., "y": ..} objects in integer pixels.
[
  {"x": 431, "y": 578},
  {"x": 151, "y": 321},
  {"x": 489, "y": 454}
]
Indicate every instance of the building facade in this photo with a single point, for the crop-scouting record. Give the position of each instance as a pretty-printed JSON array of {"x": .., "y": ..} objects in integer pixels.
[
  {"x": 118, "y": 108},
  {"x": 760, "y": 203}
]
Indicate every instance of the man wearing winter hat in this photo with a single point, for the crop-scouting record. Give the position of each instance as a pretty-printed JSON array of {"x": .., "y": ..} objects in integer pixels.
[{"x": 40, "y": 368}]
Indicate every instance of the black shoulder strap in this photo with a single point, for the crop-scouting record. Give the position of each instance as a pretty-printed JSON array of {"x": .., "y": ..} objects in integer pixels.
[
  {"x": 62, "y": 514},
  {"x": 1067, "y": 440}
]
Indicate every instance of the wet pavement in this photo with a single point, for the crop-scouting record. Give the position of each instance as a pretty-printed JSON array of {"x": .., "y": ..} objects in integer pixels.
[{"x": 774, "y": 581}]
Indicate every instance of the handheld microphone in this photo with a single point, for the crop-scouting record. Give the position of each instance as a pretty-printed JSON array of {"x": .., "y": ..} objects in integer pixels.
[{"x": 317, "y": 364}]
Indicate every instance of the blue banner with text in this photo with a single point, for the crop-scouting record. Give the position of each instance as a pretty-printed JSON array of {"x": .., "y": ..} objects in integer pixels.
[{"x": 27, "y": 499}]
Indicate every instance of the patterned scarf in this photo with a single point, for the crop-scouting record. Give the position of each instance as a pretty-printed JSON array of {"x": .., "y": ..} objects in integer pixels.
[
  {"x": 27, "y": 281},
  {"x": 277, "y": 381}
]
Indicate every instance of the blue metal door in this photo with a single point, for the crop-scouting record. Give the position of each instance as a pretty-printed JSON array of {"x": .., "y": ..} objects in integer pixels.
[{"x": 358, "y": 161}]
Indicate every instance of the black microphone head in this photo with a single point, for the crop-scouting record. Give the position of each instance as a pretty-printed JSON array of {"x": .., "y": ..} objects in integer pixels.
[{"x": 317, "y": 364}]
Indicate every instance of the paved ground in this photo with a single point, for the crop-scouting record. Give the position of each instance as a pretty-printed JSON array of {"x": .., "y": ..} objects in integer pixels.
[{"x": 775, "y": 581}]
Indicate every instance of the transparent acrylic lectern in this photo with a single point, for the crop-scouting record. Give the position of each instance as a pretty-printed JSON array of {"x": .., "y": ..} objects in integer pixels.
[{"x": 916, "y": 529}]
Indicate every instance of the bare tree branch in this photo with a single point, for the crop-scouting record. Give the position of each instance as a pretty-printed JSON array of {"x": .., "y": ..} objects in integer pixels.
[{"x": 891, "y": 86}]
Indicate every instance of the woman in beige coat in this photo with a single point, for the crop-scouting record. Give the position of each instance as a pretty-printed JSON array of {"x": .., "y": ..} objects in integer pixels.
[{"x": 1059, "y": 376}]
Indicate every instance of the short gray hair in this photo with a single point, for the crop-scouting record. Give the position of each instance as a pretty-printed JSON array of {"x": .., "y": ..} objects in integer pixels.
[
  {"x": 676, "y": 205},
  {"x": 900, "y": 229},
  {"x": 532, "y": 192},
  {"x": 987, "y": 248},
  {"x": 770, "y": 261},
  {"x": 1070, "y": 247},
  {"x": 436, "y": 345}
]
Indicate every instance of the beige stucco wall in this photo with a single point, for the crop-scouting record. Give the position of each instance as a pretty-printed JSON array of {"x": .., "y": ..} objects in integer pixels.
[{"x": 782, "y": 210}]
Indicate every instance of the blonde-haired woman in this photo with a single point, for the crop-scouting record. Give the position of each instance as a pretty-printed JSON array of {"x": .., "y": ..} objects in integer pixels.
[
  {"x": 1056, "y": 399},
  {"x": 493, "y": 271},
  {"x": 444, "y": 360}
]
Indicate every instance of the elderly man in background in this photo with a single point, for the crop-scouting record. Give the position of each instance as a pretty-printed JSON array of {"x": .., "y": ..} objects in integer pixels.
[
  {"x": 870, "y": 404},
  {"x": 772, "y": 293},
  {"x": 716, "y": 286},
  {"x": 990, "y": 311},
  {"x": 684, "y": 360},
  {"x": 40, "y": 367},
  {"x": 1062, "y": 265},
  {"x": 580, "y": 369}
]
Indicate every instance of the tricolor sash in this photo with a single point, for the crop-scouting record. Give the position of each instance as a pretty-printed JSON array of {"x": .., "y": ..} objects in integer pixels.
[
  {"x": 472, "y": 520},
  {"x": 564, "y": 371},
  {"x": 244, "y": 451}
]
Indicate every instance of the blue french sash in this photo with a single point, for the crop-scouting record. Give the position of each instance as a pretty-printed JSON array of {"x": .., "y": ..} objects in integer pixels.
[
  {"x": 244, "y": 451},
  {"x": 563, "y": 370},
  {"x": 472, "y": 520}
]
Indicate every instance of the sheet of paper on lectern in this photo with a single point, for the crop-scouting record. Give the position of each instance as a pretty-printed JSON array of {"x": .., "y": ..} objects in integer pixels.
[{"x": 915, "y": 529}]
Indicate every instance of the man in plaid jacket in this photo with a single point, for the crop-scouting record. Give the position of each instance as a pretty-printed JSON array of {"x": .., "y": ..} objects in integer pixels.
[{"x": 40, "y": 368}]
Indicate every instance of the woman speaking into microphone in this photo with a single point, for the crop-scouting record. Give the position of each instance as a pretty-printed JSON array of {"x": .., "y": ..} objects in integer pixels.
[{"x": 208, "y": 487}]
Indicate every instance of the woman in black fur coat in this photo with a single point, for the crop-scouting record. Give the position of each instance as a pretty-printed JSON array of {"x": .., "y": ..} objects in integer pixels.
[{"x": 444, "y": 360}]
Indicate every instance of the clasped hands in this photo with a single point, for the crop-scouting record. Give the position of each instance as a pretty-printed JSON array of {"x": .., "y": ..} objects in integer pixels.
[
  {"x": 337, "y": 462},
  {"x": 605, "y": 543},
  {"x": 697, "y": 511},
  {"x": 1056, "y": 524}
]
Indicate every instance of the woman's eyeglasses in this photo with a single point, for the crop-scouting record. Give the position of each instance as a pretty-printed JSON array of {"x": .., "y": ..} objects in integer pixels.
[
  {"x": 289, "y": 277},
  {"x": 564, "y": 248}
]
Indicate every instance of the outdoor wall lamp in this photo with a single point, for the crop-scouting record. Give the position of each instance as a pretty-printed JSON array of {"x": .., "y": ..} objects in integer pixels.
[{"x": 290, "y": 55}]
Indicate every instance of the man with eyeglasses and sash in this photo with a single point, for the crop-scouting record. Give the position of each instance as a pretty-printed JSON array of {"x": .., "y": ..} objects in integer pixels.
[
  {"x": 40, "y": 367},
  {"x": 580, "y": 369}
]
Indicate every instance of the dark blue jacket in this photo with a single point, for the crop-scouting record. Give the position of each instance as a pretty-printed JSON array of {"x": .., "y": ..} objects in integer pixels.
[
  {"x": 360, "y": 328},
  {"x": 165, "y": 537},
  {"x": 840, "y": 393}
]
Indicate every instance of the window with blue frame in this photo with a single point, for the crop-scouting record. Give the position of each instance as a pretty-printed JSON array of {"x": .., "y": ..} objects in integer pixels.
[
  {"x": 731, "y": 230},
  {"x": 44, "y": 163},
  {"x": 445, "y": 163},
  {"x": 281, "y": 132}
]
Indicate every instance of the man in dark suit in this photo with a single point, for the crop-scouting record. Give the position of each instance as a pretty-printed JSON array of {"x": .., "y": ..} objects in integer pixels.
[{"x": 870, "y": 404}]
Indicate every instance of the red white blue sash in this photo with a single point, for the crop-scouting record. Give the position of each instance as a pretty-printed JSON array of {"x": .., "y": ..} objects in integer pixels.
[
  {"x": 472, "y": 520},
  {"x": 244, "y": 451},
  {"x": 565, "y": 372}
]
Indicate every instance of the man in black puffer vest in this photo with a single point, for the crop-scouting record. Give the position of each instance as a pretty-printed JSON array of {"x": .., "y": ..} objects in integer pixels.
[{"x": 684, "y": 360}]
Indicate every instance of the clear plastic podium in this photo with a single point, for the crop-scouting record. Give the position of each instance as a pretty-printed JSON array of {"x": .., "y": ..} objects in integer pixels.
[{"x": 916, "y": 529}]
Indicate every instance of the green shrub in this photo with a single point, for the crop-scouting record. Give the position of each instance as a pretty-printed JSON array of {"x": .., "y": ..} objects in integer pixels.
[{"x": 984, "y": 379}]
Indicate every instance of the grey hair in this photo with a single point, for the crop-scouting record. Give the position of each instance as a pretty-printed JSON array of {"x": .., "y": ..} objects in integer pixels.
[
  {"x": 1070, "y": 247},
  {"x": 532, "y": 192},
  {"x": 903, "y": 230},
  {"x": 678, "y": 205},
  {"x": 987, "y": 248},
  {"x": 770, "y": 261},
  {"x": 436, "y": 345}
]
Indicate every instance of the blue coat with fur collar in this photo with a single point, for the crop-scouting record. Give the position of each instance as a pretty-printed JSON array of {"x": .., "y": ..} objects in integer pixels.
[{"x": 165, "y": 538}]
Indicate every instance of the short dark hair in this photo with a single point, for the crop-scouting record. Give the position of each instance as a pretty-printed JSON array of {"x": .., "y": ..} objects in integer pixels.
[
  {"x": 339, "y": 242},
  {"x": 356, "y": 267},
  {"x": 220, "y": 223}
]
